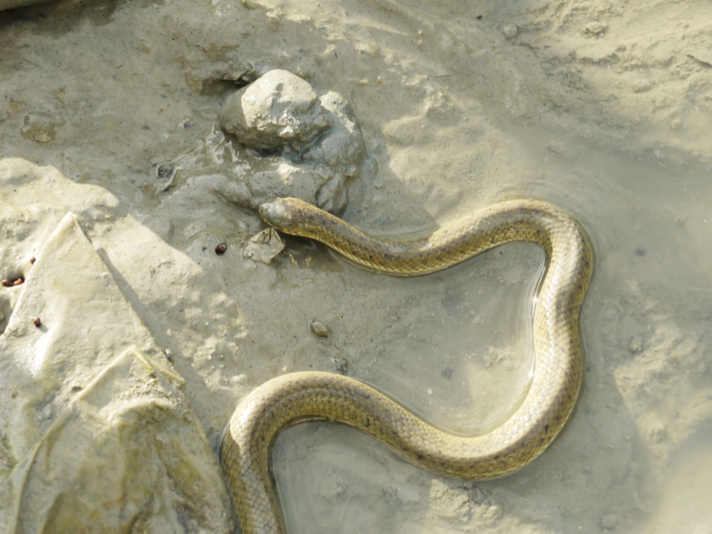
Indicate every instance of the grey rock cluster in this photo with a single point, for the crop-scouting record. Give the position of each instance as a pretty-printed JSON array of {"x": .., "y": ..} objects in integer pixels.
[{"x": 311, "y": 144}]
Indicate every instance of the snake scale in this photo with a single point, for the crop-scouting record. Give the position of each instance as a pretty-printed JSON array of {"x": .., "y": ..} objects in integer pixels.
[{"x": 283, "y": 401}]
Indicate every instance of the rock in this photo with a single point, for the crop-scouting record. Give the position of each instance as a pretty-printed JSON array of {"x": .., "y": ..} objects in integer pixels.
[
  {"x": 341, "y": 147},
  {"x": 340, "y": 363},
  {"x": 610, "y": 521},
  {"x": 510, "y": 30},
  {"x": 290, "y": 180},
  {"x": 263, "y": 246},
  {"x": 332, "y": 196},
  {"x": 101, "y": 397},
  {"x": 277, "y": 110},
  {"x": 594, "y": 29},
  {"x": 319, "y": 329},
  {"x": 308, "y": 146},
  {"x": 41, "y": 127}
]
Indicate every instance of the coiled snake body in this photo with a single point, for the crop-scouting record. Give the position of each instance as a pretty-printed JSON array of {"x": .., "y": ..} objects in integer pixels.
[{"x": 246, "y": 447}]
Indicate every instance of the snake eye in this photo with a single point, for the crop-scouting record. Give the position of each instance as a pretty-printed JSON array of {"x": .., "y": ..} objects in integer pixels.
[{"x": 264, "y": 211}]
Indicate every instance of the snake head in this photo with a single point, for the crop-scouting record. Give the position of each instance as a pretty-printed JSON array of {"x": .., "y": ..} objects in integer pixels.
[
  {"x": 284, "y": 213},
  {"x": 297, "y": 217}
]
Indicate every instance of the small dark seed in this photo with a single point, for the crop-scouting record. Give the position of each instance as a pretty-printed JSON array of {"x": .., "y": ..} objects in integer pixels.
[
  {"x": 18, "y": 281},
  {"x": 33, "y": 260},
  {"x": 221, "y": 248},
  {"x": 36, "y": 321},
  {"x": 7, "y": 283}
]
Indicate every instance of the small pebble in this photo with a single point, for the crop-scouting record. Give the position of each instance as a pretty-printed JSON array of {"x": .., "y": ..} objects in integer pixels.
[
  {"x": 165, "y": 171},
  {"x": 41, "y": 127},
  {"x": 636, "y": 345},
  {"x": 657, "y": 433},
  {"x": 319, "y": 329},
  {"x": 610, "y": 521},
  {"x": 495, "y": 512},
  {"x": 407, "y": 494},
  {"x": 220, "y": 249},
  {"x": 340, "y": 363},
  {"x": 36, "y": 321},
  {"x": 18, "y": 281},
  {"x": 595, "y": 28},
  {"x": 510, "y": 30}
]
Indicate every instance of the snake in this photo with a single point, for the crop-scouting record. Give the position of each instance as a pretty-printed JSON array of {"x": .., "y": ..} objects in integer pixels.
[{"x": 246, "y": 447}]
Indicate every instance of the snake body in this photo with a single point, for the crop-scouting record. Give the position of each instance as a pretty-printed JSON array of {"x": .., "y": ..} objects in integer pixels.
[{"x": 246, "y": 448}]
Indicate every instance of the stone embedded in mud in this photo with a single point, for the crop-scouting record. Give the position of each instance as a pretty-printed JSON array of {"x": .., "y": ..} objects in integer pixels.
[
  {"x": 510, "y": 30},
  {"x": 41, "y": 127},
  {"x": 332, "y": 196},
  {"x": 320, "y": 329},
  {"x": 342, "y": 147},
  {"x": 277, "y": 110},
  {"x": 284, "y": 179}
]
